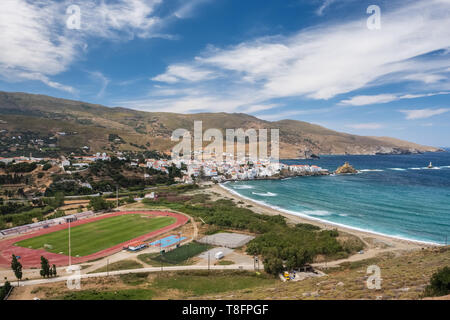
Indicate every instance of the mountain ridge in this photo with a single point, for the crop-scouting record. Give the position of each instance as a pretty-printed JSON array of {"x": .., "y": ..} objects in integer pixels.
[{"x": 95, "y": 124}]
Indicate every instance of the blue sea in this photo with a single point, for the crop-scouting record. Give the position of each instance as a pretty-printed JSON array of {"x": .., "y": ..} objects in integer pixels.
[{"x": 395, "y": 195}]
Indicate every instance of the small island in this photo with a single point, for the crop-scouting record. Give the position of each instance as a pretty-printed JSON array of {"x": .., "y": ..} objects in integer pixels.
[{"x": 346, "y": 169}]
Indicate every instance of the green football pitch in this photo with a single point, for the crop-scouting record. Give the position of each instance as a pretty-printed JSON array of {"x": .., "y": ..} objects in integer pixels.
[{"x": 98, "y": 235}]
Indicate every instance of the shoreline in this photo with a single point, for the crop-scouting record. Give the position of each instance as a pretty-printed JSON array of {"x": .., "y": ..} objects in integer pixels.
[{"x": 397, "y": 242}]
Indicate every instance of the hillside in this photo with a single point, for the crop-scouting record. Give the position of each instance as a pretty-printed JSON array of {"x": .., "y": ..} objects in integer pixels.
[{"x": 39, "y": 117}]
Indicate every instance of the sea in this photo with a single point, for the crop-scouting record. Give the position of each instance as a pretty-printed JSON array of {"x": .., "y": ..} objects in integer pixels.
[{"x": 393, "y": 195}]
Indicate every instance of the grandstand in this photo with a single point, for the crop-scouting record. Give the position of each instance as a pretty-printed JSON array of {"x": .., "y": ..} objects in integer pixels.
[{"x": 45, "y": 224}]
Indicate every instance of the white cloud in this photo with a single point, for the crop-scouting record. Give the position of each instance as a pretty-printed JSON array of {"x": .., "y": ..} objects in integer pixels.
[
  {"x": 385, "y": 98},
  {"x": 365, "y": 126},
  {"x": 36, "y": 45},
  {"x": 176, "y": 73},
  {"x": 324, "y": 6},
  {"x": 332, "y": 59},
  {"x": 366, "y": 100},
  {"x": 104, "y": 81},
  {"x": 423, "y": 113},
  {"x": 188, "y": 8}
]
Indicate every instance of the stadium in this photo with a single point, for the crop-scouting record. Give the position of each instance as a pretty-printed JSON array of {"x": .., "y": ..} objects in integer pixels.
[{"x": 90, "y": 238}]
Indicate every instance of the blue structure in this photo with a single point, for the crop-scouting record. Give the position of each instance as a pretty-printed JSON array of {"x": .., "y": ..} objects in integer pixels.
[{"x": 167, "y": 241}]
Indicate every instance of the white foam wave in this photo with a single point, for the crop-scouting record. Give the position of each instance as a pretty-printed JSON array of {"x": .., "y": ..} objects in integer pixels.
[
  {"x": 397, "y": 169},
  {"x": 268, "y": 194},
  {"x": 317, "y": 213},
  {"x": 415, "y": 168},
  {"x": 243, "y": 187},
  {"x": 371, "y": 170},
  {"x": 303, "y": 215}
]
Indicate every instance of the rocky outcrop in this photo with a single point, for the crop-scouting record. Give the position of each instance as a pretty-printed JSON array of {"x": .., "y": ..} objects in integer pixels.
[{"x": 346, "y": 169}]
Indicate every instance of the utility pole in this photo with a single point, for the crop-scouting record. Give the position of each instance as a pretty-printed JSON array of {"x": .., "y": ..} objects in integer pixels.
[
  {"x": 70, "y": 252},
  {"x": 160, "y": 251},
  {"x": 117, "y": 196}
]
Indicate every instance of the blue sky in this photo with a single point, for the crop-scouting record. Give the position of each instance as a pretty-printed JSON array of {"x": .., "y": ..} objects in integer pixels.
[{"x": 315, "y": 61}]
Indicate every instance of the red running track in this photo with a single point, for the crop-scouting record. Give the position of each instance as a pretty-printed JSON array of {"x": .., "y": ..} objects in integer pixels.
[{"x": 31, "y": 258}]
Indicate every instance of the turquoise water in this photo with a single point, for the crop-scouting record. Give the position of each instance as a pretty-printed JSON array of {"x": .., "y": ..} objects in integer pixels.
[{"x": 394, "y": 195}]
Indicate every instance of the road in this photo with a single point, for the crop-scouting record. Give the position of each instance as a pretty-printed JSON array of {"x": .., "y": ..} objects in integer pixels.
[{"x": 142, "y": 270}]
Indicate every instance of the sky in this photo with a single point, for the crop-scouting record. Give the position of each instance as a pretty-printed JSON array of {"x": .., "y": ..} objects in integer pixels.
[{"x": 337, "y": 63}]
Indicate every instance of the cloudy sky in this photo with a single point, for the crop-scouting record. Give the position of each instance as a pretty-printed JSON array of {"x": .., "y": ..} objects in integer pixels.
[{"x": 313, "y": 60}]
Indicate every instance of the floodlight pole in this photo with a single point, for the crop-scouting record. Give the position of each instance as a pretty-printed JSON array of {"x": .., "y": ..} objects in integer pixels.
[
  {"x": 117, "y": 196},
  {"x": 70, "y": 251},
  {"x": 160, "y": 251}
]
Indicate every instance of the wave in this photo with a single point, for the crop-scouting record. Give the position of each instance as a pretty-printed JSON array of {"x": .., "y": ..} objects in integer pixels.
[
  {"x": 415, "y": 168},
  {"x": 326, "y": 222},
  {"x": 268, "y": 194},
  {"x": 371, "y": 170},
  {"x": 317, "y": 213},
  {"x": 397, "y": 169},
  {"x": 243, "y": 187}
]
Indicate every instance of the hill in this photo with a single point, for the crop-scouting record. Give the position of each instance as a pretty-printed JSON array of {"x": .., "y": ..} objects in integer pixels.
[{"x": 67, "y": 126}]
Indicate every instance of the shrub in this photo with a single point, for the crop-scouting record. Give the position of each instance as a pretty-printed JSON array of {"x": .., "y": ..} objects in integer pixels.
[{"x": 439, "y": 283}]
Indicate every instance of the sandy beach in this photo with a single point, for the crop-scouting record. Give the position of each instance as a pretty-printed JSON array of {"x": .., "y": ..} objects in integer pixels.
[{"x": 374, "y": 241}]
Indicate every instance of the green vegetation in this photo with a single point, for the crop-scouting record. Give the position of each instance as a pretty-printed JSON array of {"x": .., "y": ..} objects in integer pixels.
[
  {"x": 18, "y": 214},
  {"x": 175, "y": 285},
  {"x": 4, "y": 290},
  {"x": 99, "y": 235},
  {"x": 13, "y": 179},
  {"x": 21, "y": 167},
  {"x": 225, "y": 263},
  {"x": 134, "y": 279},
  {"x": 439, "y": 283},
  {"x": 46, "y": 270},
  {"x": 120, "y": 265},
  {"x": 281, "y": 245},
  {"x": 129, "y": 294},
  {"x": 99, "y": 204},
  {"x": 201, "y": 282},
  {"x": 177, "y": 256},
  {"x": 16, "y": 266}
]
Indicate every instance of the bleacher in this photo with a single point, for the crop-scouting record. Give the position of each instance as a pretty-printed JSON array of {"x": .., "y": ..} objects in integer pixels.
[{"x": 45, "y": 224}]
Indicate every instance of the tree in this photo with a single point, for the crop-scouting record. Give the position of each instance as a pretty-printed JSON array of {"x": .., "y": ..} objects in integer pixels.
[
  {"x": 439, "y": 283},
  {"x": 273, "y": 265},
  {"x": 16, "y": 266},
  {"x": 98, "y": 204},
  {"x": 59, "y": 199},
  {"x": 54, "y": 270},
  {"x": 45, "y": 267}
]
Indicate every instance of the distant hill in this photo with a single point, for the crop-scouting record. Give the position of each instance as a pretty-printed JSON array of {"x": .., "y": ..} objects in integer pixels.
[{"x": 107, "y": 129}]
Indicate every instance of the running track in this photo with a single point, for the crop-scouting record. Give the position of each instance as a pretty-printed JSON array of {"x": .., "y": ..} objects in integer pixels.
[{"x": 31, "y": 258}]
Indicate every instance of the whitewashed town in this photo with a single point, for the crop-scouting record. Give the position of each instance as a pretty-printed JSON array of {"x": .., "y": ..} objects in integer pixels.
[{"x": 218, "y": 171}]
